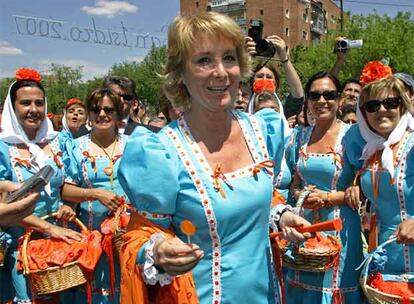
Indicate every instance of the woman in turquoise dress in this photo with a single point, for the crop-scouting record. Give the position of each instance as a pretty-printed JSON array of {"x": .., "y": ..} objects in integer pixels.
[
  {"x": 385, "y": 129},
  {"x": 92, "y": 181},
  {"x": 214, "y": 167},
  {"x": 30, "y": 144},
  {"x": 320, "y": 172}
]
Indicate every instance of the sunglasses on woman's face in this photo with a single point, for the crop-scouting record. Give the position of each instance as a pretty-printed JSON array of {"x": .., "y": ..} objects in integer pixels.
[
  {"x": 389, "y": 103},
  {"x": 327, "y": 95},
  {"x": 97, "y": 110}
]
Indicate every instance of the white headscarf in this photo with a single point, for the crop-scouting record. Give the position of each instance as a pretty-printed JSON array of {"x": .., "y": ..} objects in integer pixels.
[
  {"x": 375, "y": 142},
  {"x": 287, "y": 130},
  {"x": 13, "y": 133}
]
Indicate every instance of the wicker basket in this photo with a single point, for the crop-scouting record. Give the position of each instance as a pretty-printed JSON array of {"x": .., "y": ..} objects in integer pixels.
[
  {"x": 373, "y": 295},
  {"x": 312, "y": 260},
  {"x": 55, "y": 278}
]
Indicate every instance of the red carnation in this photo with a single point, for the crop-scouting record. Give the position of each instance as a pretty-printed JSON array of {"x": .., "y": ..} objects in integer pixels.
[
  {"x": 72, "y": 101},
  {"x": 374, "y": 70},
  {"x": 264, "y": 85},
  {"x": 28, "y": 74}
]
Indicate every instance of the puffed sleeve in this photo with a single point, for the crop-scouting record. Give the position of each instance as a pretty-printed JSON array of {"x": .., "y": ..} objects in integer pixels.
[
  {"x": 71, "y": 163},
  {"x": 5, "y": 165},
  {"x": 272, "y": 128},
  {"x": 148, "y": 172}
]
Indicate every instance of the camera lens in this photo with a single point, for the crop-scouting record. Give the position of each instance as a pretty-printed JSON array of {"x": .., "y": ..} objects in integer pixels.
[{"x": 343, "y": 44}]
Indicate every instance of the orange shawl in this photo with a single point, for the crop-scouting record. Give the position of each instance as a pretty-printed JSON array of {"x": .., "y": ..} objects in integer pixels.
[{"x": 133, "y": 288}]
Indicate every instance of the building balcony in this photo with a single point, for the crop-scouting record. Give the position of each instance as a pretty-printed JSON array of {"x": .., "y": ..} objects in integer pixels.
[
  {"x": 227, "y": 6},
  {"x": 317, "y": 28}
]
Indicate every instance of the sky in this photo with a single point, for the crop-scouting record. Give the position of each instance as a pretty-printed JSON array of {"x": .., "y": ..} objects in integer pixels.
[{"x": 96, "y": 34}]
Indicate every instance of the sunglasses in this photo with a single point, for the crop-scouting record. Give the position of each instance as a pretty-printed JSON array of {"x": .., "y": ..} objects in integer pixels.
[
  {"x": 97, "y": 110},
  {"x": 126, "y": 97},
  {"x": 389, "y": 103},
  {"x": 327, "y": 95}
]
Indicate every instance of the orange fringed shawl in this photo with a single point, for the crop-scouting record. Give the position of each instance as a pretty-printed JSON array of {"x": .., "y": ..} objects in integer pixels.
[{"x": 133, "y": 289}]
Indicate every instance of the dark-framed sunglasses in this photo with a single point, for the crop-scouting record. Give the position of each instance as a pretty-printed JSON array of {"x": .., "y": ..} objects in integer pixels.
[
  {"x": 389, "y": 103},
  {"x": 127, "y": 97},
  {"x": 97, "y": 110},
  {"x": 327, "y": 95}
]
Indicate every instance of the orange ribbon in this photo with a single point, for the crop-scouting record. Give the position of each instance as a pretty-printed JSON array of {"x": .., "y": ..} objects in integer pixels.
[
  {"x": 24, "y": 163},
  {"x": 93, "y": 160},
  {"x": 266, "y": 165},
  {"x": 116, "y": 157},
  {"x": 304, "y": 155},
  {"x": 337, "y": 157},
  {"x": 56, "y": 159},
  {"x": 217, "y": 175}
]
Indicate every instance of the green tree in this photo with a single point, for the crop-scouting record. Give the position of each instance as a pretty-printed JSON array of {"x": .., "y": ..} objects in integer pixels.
[{"x": 383, "y": 36}]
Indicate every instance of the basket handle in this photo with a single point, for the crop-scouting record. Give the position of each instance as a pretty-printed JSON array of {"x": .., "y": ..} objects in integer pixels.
[
  {"x": 27, "y": 235},
  {"x": 367, "y": 261}
]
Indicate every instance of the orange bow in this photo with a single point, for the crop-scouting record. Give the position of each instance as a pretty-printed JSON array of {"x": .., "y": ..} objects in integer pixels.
[
  {"x": 216, "y": 179},
  {"x": 337, "y": 157},
  {"x": 266, "y": 165},
  {"x": 116, "y": 157},
  {"x": 24, "y": 163},
  {"x": 304, "y": 155},
  {"x": 93, "y": 160},
  {"x": 56, "y": 159}
]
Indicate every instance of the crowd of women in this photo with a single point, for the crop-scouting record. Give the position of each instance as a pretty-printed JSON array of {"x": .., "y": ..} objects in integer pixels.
[{"x": 234, "y": 176}]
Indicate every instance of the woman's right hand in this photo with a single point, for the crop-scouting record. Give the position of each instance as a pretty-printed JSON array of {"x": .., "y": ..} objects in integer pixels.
[
  {"x": 107, "y": 198},
  {"x": 352, "y": 197},
  {"x": 176, "y": 257},
  {"x": 64, "y": 234}
]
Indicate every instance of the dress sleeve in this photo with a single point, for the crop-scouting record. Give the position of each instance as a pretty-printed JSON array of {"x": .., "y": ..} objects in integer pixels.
[
  {"x": 354, "y": 144},
  {"x": 72, "y": 166},
  {"x": 148, "y": 172},
  {"x": 5, "y": 165},
  {"x": 272, "y": 128}
]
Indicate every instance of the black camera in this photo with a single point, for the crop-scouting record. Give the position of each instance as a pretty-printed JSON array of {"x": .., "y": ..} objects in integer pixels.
[
  {"x": 263, "y": 47},
  {"x": 344, "y": 44}
]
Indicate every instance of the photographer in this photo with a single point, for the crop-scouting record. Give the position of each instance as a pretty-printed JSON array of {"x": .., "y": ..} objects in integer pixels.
[
  {"x": 264, "y": 69},
  {"x": 11, "y": 214}
]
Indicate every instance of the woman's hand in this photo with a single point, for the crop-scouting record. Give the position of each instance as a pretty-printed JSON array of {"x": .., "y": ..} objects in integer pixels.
[
  {"x": 352, "y": 197},
  {"x": 107, "y": 198},
  {"x": 250, "y": 46},
  {"x": 281, "y": 49},
  {"x": 66, "y": 213},
  {"x": 64, "y": 234},
  {"x": 405, "y": 232},
  {"x": 315, "y": 200},
  {"x": 288, "y": 222},
  {"x": 14, "y": 212},
  {"x": 176, "y": 257}
]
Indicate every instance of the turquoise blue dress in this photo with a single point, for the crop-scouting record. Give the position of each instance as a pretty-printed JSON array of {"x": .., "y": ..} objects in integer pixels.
[
  {"x": 395, "y": 200},
  {"x": 81, "y": 172},
  {"x": 176, "y": 183},
  {"x": 14, "y": 284},
  {"x": 327, "y": 173}
]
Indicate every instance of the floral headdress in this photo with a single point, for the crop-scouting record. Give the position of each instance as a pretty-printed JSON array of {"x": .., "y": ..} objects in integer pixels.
[
  {"x": 264, "y": 85},
  {"x": 374, "y": 70},
  {"x": 28, "y": 74},
  {"x": 73, "y": 101}
]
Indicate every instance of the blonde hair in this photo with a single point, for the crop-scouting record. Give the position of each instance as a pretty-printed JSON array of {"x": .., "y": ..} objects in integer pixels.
[
  {"x": 389, "y": 85},
  {"x": 182, "y": 35}
]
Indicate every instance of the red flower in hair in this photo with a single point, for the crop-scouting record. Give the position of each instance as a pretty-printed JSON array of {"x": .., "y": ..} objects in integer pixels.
[
  {"x": 72, "y": 101},
  {"x": 374, "y": 70},
  {"x": 28, "y": 74},
  {"x": 264, "y": 85},
  {"x": 50, "y": 115}
]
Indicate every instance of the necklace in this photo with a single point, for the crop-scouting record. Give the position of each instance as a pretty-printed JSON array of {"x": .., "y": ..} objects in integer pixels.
[{"x": 109, "y": 170}]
